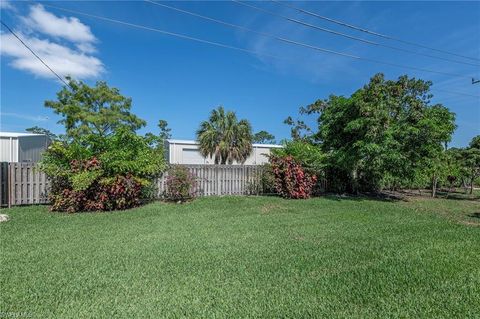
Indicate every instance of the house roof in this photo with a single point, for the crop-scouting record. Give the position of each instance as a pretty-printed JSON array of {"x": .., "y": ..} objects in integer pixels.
[
  {"x": 192, "y": 142},
  {"x": 15, "y": 134}
]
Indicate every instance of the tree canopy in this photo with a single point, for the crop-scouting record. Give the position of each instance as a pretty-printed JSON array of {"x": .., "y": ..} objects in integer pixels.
[
  {"x": 41, "y": 130},
  {"x": 224, "y": 137},
  {"x": 263, "y": 137},
  {"x": 96, "y": 110},
  {"x": 383, "y": 132}
]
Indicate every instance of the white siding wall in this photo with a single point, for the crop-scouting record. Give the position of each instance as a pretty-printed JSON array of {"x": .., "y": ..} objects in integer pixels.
[
  {"x": 188, "y": 153},
  {"x": 30, "y": 148},
  {"x": 8, "y": 149}
]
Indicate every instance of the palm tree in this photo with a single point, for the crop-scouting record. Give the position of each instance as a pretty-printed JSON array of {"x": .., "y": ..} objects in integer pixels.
[{"x": 224, "y": 137}]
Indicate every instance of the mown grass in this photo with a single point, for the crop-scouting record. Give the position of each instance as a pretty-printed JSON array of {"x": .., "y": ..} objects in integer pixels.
[{"x": 245, "y": 257}]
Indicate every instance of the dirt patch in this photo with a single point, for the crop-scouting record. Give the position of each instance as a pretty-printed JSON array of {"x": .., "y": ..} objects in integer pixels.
[{"x": 270, "y": 208}]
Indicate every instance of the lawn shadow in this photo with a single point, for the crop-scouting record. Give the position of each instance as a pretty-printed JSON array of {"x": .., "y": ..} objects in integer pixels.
[
  {"x": 475, "y": 215},
  {"x": 381, "y": 197}
]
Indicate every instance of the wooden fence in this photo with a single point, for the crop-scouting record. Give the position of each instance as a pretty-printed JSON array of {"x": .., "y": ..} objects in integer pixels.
[
  {"x": 25, "y": 184},
  {"x": 22, "y": 184},
  {"x": 220, "y": 179}
]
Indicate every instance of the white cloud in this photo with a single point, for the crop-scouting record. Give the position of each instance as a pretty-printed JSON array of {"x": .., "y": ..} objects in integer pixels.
[
  {"x": 73, "y": 57},
  {"x": 70, "y": 29},
  {"x": 60, "y": 58},
  {"x": 33, "y": 118}
]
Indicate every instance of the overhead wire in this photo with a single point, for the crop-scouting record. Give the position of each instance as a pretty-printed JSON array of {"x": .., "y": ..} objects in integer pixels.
[
  {"x": 187, "y": 37},
  {"x": 33, "y": 52},
  {"x": 381, "y": 35}
]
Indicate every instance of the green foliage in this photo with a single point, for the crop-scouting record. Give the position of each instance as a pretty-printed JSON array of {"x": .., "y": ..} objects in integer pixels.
[
  {"x": 126, "y": 152},
  {"x": 310, "y": 156},
  {"x": 158, "y": 141},
  {"x": 471, "y": 161},
  {"x": 83, "y": 180},
  {"x": 41, "y": 130},
  {"x": 98, "y": 110},
  {"x": 224, "y": 137},
  {"x": 386, "y": 130},
  {"x": 102, "y": 164},
  {"x": 264, "y": 181},
  {"x": 263, "y": 137}
]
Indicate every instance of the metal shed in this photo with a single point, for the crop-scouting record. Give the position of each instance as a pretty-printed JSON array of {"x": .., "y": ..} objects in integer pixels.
[
  {"x": 22, "y": 147},
  {"x": 187, "y": 152}
]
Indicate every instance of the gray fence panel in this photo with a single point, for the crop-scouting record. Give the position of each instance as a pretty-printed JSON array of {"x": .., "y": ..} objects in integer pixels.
[
  {"x": 218, "y": 179},
  {"x": 26, "y": 184}
]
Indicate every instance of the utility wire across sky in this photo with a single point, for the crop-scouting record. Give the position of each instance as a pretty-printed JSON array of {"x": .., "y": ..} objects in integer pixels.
[
  {"x": 183, "y": 36},
  {"x": 378, "y": 44},
  {"x": 255, "y": 52},
  {"x": 384, "y": 36},
  {"x": 33, "y": 52}
]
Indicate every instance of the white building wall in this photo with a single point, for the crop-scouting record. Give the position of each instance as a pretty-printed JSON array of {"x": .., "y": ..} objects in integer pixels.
[
  {"x": 8, "y": 149},
  {"x": 22, "y": 147},
  {"x": 30, "y": 148},
  {"x": 187, "y": 152}
]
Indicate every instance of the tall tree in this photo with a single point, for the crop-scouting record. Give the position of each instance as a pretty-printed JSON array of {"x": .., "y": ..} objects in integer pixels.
[
  {"x": 41, "y": 130},
  {"x": 158, "y": 141},
  {"x": 164, "y": 130},
  {"x": 224, "y": 137},
  {"x": 387, "y": 128},
  {"x": 98, "y": 110},
  {"x": 263, "y": 137},
  {"x": 299, "y": 130},
  {"x": 472, "y": 161}
]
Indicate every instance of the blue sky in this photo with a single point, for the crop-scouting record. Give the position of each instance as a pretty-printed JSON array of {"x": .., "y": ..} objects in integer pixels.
[{"x": 181, "y": 81}]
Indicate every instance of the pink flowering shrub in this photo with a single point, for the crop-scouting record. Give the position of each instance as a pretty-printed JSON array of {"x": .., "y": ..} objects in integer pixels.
[{"x": 180, "y": 184}]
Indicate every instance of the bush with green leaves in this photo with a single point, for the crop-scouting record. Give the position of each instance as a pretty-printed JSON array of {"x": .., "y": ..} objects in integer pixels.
[
  {"x": 93, "y": 173},
  {"x": 309, "y": 156}
]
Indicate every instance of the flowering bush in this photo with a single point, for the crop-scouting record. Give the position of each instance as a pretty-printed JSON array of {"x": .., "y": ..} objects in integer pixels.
[
  {"x": 180, "y": 184},
  {"x": 291, "y": 181}
]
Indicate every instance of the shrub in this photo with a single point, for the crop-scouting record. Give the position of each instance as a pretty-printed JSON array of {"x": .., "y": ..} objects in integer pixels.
[
  {"x": 89, "y": 190},
  {"x": 309, "y": 156},
  {"x": 291, "y": 181},
  {"x": 264, "y": 181},
  {"x": 93, "y": 173},
  {"x": 180, "y": 184}
]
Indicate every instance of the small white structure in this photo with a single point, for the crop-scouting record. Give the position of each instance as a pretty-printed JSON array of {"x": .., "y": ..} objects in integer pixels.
[
  {"x": 22, "y": 147},
  {"x": 187, "y": 152}
]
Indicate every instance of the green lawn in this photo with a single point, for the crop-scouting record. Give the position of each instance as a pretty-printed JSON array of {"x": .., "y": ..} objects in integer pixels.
[{"x": 245, "y": 257}]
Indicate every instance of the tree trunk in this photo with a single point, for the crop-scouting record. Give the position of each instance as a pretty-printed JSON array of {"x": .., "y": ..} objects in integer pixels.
[
  {"x": 471, "y": 186},
  {"x": 434, "y": 186}
]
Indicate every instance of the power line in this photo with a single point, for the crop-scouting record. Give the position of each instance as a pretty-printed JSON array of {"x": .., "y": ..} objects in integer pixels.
[
  {"x": 289, "y": 41},
  {"x": 40, "y": 59},
  {"x": 378, "y": 44},
  {"x": 165, "y": 32},
  {"x": 385, "y": 36},
  {"x": 178, "y": 35}
]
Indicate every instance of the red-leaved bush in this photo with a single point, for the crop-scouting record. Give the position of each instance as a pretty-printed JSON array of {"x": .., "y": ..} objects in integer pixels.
[
  {"x": 93, "y": 192},
  {"x": 180, "y": 184},
  {"x": 291, "y": 181}
]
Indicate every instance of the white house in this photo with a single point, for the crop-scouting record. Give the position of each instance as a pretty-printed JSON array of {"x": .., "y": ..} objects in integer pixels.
[
  {"x": 22, "y": 147},
  {"x": 187, "y": 152}
]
